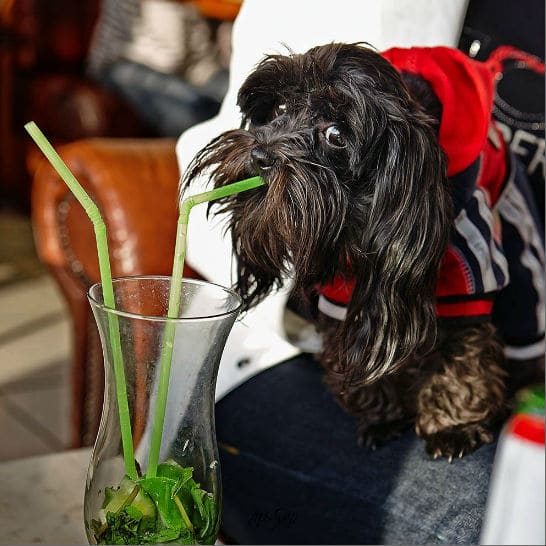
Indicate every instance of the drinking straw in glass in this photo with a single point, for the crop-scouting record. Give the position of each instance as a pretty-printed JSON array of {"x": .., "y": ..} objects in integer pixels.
[
  {"x": 174, "y": 304},
  {"x": 108, "y": 292}
]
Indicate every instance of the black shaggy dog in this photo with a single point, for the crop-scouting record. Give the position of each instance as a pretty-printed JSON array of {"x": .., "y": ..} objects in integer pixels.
[{"x": 358, "y": 198}]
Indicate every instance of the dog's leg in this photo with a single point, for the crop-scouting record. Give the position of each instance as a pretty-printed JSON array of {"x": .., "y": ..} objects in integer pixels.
[
  {"x": 459, "y": 404},
  {"x": 378, "y": 409}
]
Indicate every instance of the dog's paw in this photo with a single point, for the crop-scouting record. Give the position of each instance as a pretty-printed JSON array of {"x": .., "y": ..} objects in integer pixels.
[
  {"x": 374, "y": 436},
  {"x": 457, "y": 441}
]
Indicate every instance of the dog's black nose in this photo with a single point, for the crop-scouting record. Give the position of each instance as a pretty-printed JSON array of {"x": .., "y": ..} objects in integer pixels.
[{"x": 262, "y": 159}]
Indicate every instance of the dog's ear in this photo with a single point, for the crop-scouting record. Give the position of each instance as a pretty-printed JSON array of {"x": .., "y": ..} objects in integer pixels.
[{"x": 391, "y": 318}]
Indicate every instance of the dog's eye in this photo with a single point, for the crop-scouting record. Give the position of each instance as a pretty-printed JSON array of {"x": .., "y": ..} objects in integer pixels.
[
  {"x": 334, "y": 137},
  {"x": 280, "y": 110}
]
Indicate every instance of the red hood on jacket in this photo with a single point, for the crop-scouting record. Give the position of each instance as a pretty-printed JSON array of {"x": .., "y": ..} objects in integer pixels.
[{"x": 464, "y": 87}]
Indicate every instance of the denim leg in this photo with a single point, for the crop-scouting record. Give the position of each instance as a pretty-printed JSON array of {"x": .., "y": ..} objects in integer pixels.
[
  {"x": 294, "y": 474},
  {"x": 166, "y": 103}
]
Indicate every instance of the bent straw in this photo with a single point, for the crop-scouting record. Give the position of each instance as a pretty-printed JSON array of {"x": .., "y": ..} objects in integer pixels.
[
  {"x": 107, "y": 288},
  {"x": 174, "y": 305}
]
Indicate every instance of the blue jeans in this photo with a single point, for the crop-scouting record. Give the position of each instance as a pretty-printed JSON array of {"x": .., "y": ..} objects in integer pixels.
[
  {"x": 166, "y": 103},
  {"x": 293, "y": 473}
]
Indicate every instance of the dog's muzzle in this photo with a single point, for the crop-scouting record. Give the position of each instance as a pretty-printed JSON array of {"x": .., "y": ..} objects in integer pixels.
[{"x": 262, "y": 159}]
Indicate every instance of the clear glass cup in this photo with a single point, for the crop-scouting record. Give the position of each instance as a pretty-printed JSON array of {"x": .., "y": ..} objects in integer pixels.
[{"x": 180, "y": 501}]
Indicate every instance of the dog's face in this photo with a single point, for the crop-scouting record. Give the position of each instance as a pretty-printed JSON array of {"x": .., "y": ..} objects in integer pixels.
[{"x": 355, "y": 183}]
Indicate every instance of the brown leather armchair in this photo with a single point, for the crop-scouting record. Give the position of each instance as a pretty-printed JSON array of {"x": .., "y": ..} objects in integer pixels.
[{"x": 135, "y": 185}]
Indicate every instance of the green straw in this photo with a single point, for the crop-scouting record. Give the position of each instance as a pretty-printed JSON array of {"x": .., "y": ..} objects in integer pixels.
[
  {"x": 174, "y": 305},
  {"x": 107, "y": 288}
]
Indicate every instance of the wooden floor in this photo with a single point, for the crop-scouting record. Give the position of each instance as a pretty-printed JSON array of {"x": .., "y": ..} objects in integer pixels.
[{"x": 34, "y": 349}]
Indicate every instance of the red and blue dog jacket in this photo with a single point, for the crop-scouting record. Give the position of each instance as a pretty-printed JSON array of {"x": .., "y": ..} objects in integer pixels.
[{"x": 493, "y": 268}]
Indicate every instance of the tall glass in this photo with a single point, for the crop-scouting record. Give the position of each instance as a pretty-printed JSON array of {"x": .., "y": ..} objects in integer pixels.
[{"x": 179, "y": 500}]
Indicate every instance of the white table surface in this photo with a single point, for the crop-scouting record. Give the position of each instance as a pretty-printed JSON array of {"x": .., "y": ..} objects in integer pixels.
[{"x": 41, "y": 499}]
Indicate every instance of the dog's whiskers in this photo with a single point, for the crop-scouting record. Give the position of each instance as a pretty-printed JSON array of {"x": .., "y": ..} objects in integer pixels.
[{"x": 329, "y": 170}]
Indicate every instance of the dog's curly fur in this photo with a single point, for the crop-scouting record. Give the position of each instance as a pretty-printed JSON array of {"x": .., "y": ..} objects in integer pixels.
[{"x": 349, "y": 150}]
